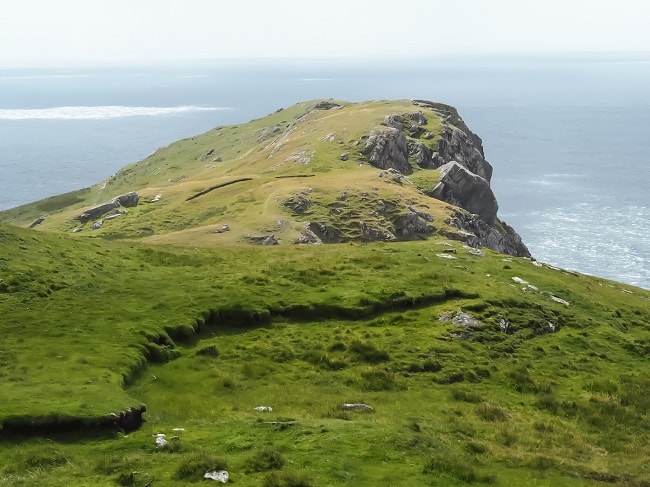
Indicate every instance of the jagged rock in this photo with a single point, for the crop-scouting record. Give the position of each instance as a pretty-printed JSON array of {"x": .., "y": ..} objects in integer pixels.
[
  {"x": 98, "y": 224},
  {"x": 477, "y": 233},
  {"x": 457, "y": 142},
  {"x": 395, "y": 121},
  {"x": 127, "y": 200},
  {"x": 38, "y": 221},
  {"x": 460, "y": 318},
  {"x": 266, "y": 133},
  {"x": 326, "y": 234},
  {"x": 326, "y": 105},
  {"x": 427, "y": 135},
  {"x": 418, "y": 117},
  {"x": 308, "y": 237},
  {"x": 463, "y": 188},
  {"x": 386, "y": 148},
  {"x": 270, "y": 240},
  {"x": 297, "y": 203},
  {"x": 265, "y": 240},
  {"x": 413, "y": 225},
  {"x": 371, "y": 234},
  {"x": 420, "y": 154},
  {"x": 455, "y": 145},
  {"x": 219, "y": 475},
  {"x": 129, "y": 419},
  {"x": 414, "y": 130}
]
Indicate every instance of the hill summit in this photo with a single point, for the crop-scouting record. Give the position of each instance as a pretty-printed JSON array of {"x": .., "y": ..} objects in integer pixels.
[{"x": 317, "y": 172}]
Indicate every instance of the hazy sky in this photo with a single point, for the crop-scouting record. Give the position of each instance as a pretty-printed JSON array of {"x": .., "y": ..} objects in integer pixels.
[{"x": 55, "y": 31}]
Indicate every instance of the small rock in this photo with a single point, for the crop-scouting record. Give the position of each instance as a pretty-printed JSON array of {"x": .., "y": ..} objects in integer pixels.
[
  {"x": 559, "y": 300},
  {"x": 219, "y": 475},
  {"x": 344, "y": 157},
  {"x": 504, "y": 324},
  {"x": 264, "y": 409},
  {"x": 270, "y": 240},
  {"x": 77, "y": 229},
  {"x": 519, "y": 280},
  {"x": 223, "y": 228},
  {"x": 38, "y": 221},
  {"x": 465, "y": 320},
  {"x": 329, "y": 137},
  {"x": 98, "y": 224},
  {"x": 326, "y": 105},
  {"x": 356, "y": 407},
  {"x": 445, "y": 256}
]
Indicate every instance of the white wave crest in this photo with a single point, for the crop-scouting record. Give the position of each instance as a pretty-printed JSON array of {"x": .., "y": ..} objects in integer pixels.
[{"x": 98, "y": 112}]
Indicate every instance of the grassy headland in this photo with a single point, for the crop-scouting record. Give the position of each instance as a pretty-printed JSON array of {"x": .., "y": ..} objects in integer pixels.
[{"x": 479, "y": 368}]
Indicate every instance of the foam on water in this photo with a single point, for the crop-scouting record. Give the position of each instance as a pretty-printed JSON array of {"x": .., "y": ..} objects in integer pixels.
[
  {"x": 98, "y": 112},
  {"x": 608, "y": 241}
]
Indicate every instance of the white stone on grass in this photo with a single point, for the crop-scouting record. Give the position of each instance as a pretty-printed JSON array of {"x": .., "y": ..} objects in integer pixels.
[{"x": 220, "y": 475}]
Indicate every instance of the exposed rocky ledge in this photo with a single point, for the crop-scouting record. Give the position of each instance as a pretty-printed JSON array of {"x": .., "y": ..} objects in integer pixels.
[
  {"x": 463, "y": 188},
  {"x": 477, "y": 233},
  {"x": 402, "y": 143},
  {"x": 127, "y": 200}
]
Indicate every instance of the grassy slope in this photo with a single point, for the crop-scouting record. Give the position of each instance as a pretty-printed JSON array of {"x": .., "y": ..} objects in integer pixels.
[
  {"x": 559, "y": 408},
  {"x": 272, "y": 152},
  {"x": 204, "y": 333}
]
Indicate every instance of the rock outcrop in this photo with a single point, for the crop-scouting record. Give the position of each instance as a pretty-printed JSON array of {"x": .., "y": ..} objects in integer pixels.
[
  {"x": 127, "y": 200},
  {"x": 477, "y": 233},
  {"x": 403, "y": 143},
  {"x": 463, "y": 188},
  {"x": 386, "y": 148},
  {"x": 456, "y": 143}
]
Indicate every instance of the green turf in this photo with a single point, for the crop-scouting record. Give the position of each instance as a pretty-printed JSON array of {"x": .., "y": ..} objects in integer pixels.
[
  {"x": 204, "y": 336},
  {"x": 548, "y": 387}
]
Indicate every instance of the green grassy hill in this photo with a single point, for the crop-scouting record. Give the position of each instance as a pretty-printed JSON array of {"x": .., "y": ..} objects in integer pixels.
[
  {"x": 245, "y": 176},
  {"x": 480, "y": 368}
]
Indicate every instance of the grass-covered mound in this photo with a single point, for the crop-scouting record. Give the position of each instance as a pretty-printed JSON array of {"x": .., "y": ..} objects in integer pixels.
[
  {"x": 247, "y": 177},
  {"x": 541, "y": 380}
]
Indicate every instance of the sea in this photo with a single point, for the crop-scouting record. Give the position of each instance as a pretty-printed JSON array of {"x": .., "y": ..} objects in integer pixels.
[{"x": 568, "y": 135}]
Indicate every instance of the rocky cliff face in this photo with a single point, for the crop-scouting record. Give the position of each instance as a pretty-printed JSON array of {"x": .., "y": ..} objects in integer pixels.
[{"x": 464, "y": 173}]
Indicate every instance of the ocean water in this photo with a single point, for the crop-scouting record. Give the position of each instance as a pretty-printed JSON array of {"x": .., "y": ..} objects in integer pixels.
[{"x": 569, "y": 137}]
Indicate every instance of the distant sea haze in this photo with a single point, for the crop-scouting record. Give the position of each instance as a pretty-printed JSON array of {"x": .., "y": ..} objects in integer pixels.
[
  {"x": 567, "y": 136},
  {"x": 96, "y": 112}
]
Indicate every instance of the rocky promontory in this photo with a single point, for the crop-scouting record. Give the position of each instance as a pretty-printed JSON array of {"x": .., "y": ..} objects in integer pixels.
[{"x": 317, "y": 172}]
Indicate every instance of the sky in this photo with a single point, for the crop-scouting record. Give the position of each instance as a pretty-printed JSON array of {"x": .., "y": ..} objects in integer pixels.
[{"x": 44, "y": 32}]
